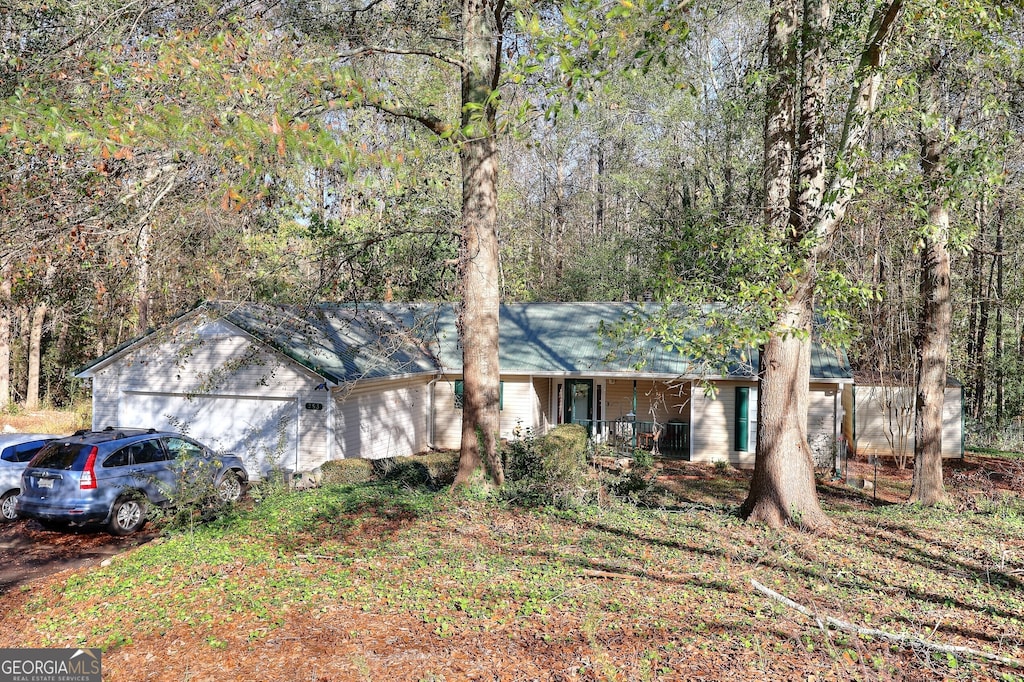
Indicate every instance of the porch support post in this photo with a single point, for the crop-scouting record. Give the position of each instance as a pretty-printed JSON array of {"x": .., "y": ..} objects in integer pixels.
[{"x": 634, "y": 414}]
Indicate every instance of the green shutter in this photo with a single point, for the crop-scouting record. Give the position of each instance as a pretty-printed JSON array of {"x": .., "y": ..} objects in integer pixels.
[
  {"x": 460, "y": 387},
  {"x": 742, "y": 420}
]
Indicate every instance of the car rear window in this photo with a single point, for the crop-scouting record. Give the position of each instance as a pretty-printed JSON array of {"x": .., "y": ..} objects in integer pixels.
[
  {"x": 23, "y": 452},
  {"x": 57, "y": 456}
]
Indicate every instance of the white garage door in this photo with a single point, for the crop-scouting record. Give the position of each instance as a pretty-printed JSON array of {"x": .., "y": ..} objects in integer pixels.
[{"x": 263, "y": 431}]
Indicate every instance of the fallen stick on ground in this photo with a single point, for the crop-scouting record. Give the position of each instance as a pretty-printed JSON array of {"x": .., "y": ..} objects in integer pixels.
[{"x": 910, "y": 640}]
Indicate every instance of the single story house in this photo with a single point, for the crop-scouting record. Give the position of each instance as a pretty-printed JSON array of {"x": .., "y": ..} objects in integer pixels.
[
  {"x": 293, "y": 387},
  {"x": 879, "y": 416}
]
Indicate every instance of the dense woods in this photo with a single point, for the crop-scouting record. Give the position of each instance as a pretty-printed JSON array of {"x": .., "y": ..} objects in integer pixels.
[{"x": 154, "y": 155}]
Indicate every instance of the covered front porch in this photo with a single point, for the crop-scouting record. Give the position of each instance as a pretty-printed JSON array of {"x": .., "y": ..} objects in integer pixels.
[{"x": 625, "y": 414}]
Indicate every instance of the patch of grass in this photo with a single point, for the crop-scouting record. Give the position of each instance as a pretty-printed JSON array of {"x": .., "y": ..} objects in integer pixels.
[
  {"x": 610, "y": 592},
  {"x": 59, "y": 422}
]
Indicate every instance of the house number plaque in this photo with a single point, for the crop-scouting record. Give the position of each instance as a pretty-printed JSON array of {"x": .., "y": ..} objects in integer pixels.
[{"x": 314, "y": 406}]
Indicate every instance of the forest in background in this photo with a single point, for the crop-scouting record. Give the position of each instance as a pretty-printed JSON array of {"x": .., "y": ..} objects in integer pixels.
[{"x": 213, "y": 151}]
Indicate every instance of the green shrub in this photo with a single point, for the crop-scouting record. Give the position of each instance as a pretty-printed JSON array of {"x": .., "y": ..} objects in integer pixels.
[
  {"x": 551, "y": 469},
  {"x": 347, "y": 471},
  {"x": 442, "y": 466},
  {"x": 643, "y": 459},
  {"x": 434, "y": 470}
]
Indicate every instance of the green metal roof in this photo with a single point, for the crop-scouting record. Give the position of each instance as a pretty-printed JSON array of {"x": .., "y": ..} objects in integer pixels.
[
  {"x": 346, "y": 342},
  {"x": 340, "y": 343},
  {"x": 564, "y": 338}
]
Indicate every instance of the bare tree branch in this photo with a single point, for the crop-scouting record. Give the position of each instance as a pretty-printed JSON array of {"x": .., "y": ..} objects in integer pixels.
[{"x": 371, "y": 49}]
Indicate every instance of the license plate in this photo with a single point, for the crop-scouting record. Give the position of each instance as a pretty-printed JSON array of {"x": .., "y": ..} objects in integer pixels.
[{"x": 45, "y": 482}]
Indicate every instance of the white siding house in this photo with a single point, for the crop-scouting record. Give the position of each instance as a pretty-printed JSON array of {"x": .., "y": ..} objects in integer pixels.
[
  {"x": 881, "y": 418},
  {"x": 293, "y": 387}
]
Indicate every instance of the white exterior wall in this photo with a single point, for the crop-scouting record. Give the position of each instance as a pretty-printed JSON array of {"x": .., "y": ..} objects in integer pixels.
[
  {"x": 711, "y": 426},
  {"x": 521, "y": 407},
  {"x": 212, "y": 382},
  {"x": 383, "y": 419},
  {"x": 714, "y": 417},
  {"x": 885, "y": 418}
]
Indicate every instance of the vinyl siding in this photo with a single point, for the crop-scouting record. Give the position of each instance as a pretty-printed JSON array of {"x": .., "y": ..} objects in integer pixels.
[
  {"x": 384, "y": 419},
  {"x": 521, "y": 409},
  {"x": 714, "y": 418},
  {"x": 878, "y": 434},
  {"x": 211, "y": 380},
  {"x": 656, "y": 401},
  {"x": 711, "y": 434},
  {"x": 210, "y": 358}
]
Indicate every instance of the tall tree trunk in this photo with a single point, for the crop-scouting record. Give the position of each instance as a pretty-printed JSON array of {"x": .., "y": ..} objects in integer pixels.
[
  {"x": 144, "y": 248},
  {"x": 980, "y": 364},
  {"x": 35, "y": 350},
  {"x": 803, "y": 220},
  {"x": 142, "y": 256},
  {"x": 783, "y": 489},
  {"x": 974, "y": 304},
  {"x": 998, "y": 346},
  {"x": 479, "y": 258},
  {"x": 5, "y": 336},
  {"x": 936, "y": 306}
]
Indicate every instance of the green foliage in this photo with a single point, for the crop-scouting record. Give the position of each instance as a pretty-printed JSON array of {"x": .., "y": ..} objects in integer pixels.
[
  {"x": 434, "y": 470},
  {"x": 349, "y": 471},
  {"x": 550, "y": 470}
]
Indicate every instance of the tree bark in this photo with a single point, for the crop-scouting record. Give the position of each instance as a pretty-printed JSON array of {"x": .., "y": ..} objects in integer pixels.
[
  {"x": 998, "y": 347},
  {"x": 35, "y": 345},
  {"x": 803, "y": 220},
  {"x": 5, "y": 336},
  {"x": 479, "y": 258},
  {"x": 782, "y": 490},
  {"x": 936, "y": 307}
]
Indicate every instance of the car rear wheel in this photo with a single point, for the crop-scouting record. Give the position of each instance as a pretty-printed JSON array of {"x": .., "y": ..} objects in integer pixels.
[
  {"x": 127, "y": 516},
  {"x": 229, "y": 488},
  {"x": 7, "y": 503}
]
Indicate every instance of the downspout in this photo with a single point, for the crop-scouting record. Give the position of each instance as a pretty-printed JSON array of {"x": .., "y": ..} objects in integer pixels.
[
  {"x": 963, "y": 425},
  {"x": 332, "y": 440},
  {"x": 298, "y": 432},
  {"x": 837, "y": 402},
  {"x": 430, "y": 411}
]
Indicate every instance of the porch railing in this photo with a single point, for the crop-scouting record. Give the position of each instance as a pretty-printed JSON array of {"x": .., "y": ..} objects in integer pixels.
[{"x": 671, "y": 439}]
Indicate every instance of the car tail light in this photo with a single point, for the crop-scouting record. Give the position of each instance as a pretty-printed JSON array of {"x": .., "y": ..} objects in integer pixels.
[{"x": 88, "y": 480}]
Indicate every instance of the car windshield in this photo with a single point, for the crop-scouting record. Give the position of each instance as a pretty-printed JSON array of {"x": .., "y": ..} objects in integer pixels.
[
  {"x": 57, "y": 456},
  {"x": 178, "y": 448}
]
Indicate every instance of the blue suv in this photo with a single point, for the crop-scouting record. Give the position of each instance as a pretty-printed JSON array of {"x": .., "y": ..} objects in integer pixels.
[{"x": 110, "y": 476}]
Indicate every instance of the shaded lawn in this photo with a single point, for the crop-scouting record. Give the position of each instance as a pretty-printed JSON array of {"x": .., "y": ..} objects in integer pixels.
[{"x": 378, "y": 581}]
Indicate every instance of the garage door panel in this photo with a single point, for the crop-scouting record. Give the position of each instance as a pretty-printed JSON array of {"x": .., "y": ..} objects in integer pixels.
[{"x": 260, "y": 430}]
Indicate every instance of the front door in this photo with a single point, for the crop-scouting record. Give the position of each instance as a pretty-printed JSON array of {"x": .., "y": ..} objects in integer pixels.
[{"x": 578, "y": 403}]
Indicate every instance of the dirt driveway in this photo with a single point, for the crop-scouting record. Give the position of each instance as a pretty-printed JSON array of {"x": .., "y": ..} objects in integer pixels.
[{"x": 28, "y": 551}]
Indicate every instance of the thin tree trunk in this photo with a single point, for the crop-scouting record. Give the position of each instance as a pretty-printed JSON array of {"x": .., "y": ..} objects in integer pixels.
[
  {"x": 599, "y": 198},
  {"x": 980, "y": 364},
  {"x": 479, "y": 258},
  {"x": 936, "y": 307},
  {"x": 972, "y": 314},
  {"x": 5, "y": 336},
  {"x": 998, "y": 347},
  {"x": 35, "y": 350},
  {"x": 142, "y": 256}
]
